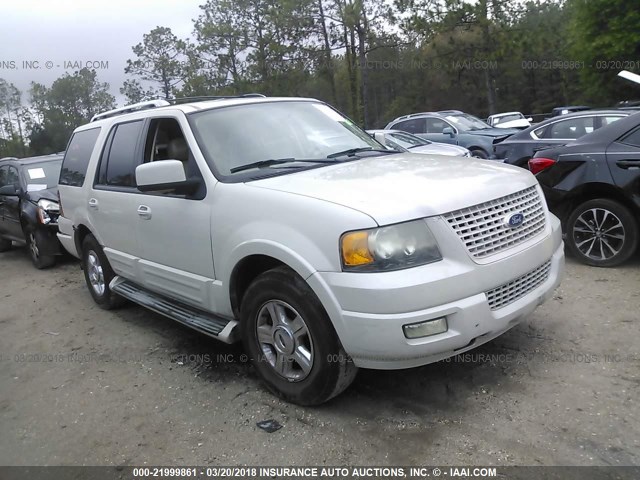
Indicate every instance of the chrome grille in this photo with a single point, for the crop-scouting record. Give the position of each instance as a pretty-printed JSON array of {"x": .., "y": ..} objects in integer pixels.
[
  {"x": 510, "y": 292},
  {"x": 482, "y": 227}
]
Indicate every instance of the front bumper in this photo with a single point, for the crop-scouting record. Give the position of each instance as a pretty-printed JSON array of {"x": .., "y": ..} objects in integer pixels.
[{"x": 369, "y": 311}]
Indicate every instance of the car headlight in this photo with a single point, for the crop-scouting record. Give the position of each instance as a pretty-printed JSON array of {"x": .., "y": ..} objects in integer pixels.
[
  {"x": 48, "y": 211},
  {"x": 388, "y": 248}
]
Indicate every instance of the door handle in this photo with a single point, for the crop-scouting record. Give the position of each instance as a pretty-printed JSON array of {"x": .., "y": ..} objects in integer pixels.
[
  {"x": 93, "y": 203},
  {"x": 144, "y": 212},
  {"x": 626, "y": 164}
]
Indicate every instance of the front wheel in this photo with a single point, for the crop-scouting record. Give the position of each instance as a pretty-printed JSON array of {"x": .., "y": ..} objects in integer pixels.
[
  {"x": 98, "y": 274},
  {"x": 34, "y": 246},
  {"x": 291, "y": 340},
  {"x": 602, "y": 233},
  {"x": 479, "y": 153}
]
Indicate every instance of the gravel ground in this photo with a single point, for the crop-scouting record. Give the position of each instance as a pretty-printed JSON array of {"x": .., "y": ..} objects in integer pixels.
[{"x": 79, "y": 385}]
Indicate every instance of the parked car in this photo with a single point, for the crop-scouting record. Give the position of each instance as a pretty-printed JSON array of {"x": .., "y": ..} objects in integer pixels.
[
  {"x": 319, "y": 251},
  {"x": 403, "y": 141},
  {"x": 592, "y": 185},
  {"x": 509, "y": 120},
  {"x": 455, "y": 127},
  {"x": 557, "y": 111},
  {"x": 29, "y": 206},
  {"x": 520, "y": 147}
]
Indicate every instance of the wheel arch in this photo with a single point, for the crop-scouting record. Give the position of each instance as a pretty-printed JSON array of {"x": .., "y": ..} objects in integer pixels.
[
  {"x": 80, "y": 233},
  {"x": 592, "y": 191}
]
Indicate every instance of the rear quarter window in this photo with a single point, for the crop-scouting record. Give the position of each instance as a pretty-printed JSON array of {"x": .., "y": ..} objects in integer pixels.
[{"x": 76, "y": 159}]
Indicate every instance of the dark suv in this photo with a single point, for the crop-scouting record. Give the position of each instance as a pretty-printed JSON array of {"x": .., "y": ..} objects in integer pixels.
[
  {"x": 29, "y": 206},
  {"x": 456, "y": 127},
  {"x": 593, "y": 185}
]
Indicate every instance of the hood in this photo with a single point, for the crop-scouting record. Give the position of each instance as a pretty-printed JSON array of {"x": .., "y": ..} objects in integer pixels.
[
  {"x": 440, "y": 149},
  {"x": 493, "y": 132},
  {"x": 47, "y": 194},
  {"x": 405, "y": 186}
]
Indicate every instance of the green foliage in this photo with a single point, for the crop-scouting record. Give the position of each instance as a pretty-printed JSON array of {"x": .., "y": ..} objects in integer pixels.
[
  {"x": 604, "y": 34},
  {"x": 71, "y": 101}
]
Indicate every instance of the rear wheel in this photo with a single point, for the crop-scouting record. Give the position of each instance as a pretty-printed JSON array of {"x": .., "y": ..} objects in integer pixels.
[
  {"x": 5, "y": 245},
  {"x": 602, "y": 233},
  {"x": 98, "y": 274},
  {"x": 291, "y": 340},
  {"x": 34, "y": 246}
]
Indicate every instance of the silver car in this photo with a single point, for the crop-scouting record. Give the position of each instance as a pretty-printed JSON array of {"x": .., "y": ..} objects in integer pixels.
[{"x": 407, "y": 142}]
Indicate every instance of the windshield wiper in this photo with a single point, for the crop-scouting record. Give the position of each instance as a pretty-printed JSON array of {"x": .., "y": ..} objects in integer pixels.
[
  {"x": 353, "y": 151},
  {"x": 275, "y": 161}
]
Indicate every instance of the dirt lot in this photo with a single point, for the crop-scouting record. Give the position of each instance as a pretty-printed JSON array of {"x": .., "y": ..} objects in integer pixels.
[{"x": 79, "y": 385}]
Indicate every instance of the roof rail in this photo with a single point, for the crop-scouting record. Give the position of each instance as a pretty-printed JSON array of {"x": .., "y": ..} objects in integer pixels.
[
  {"x": 204, "y": 98},
  {"x": 130, "y": 108}
]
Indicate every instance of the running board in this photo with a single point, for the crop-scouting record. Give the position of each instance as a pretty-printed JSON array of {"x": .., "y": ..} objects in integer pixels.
[{"x": 217, "y": 327}]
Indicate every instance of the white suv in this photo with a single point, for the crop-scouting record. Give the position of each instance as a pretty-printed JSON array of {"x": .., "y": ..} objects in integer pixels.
[{"x": 278, "y": 222}]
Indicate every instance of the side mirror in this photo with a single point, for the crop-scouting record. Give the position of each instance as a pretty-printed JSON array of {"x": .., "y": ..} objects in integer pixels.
[
  {"x": 165, "y": 175},
  {"x": 9, "y": 191},
  {"x": 448, "y": 131}
]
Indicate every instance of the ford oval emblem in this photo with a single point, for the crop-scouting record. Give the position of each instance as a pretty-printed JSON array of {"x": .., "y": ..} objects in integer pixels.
[{"x": 514, "y": 220}]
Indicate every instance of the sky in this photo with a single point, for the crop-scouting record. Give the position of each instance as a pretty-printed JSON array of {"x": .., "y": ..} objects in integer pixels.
[{"x": 60, "y": 35}]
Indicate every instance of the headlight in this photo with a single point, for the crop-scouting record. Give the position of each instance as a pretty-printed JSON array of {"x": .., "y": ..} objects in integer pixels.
[
  {"x": 394, "y": 247},
  {"x": 48, "y": 211}
]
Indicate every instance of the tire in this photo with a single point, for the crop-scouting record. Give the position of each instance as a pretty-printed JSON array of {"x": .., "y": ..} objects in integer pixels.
[
  {"x": 327, "y": 371},
  {"x": 5, "y": 245},
  {"x": 602, "y": 233},
  {"x": 479, "y": 153},
  {"x": 34, "y": 247},
  {"x": 98, "y": 274}
]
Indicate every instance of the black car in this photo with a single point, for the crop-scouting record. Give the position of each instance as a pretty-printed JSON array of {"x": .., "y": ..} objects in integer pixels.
[
  {"x": 520, "y": 147},
  {"x": 29, "y": 207},
  {"x": 593, "y": 185}
]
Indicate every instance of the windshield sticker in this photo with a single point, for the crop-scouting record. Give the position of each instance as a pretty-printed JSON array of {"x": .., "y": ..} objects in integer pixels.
[
  {"x": 35, "y": 173},
  {"x": 34, "y": 187}
]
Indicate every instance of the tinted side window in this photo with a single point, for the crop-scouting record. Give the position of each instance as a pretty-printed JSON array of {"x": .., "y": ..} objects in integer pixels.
[
  {"x": 415, "y": 125},
  {"x": 570, "y": 128},
  {"x": 77, "y": 156},
  {"x": 436, "y": 125},
  {"x": 632, "y": 138},
  {"x": 123, "y": 158},
  {"x": 3, "y": 176},
  {"x": 9, "y": 176}
]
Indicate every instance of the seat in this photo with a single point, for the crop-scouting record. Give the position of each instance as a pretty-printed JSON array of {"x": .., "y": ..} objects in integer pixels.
[{"x": 178, "y": 150}]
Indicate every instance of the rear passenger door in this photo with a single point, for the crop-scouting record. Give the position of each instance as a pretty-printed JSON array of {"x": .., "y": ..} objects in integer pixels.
[
  {"x": 112, "y": 201},
  {"x": 623, "y": 157}
]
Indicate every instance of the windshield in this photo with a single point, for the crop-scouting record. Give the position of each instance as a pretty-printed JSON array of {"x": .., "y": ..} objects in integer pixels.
[
  {"x": 407, "y": 140},
  {"x": 40, "y": 176},
  {"x": 466, "y": 122},
  {"x": 241, "y": 135}
]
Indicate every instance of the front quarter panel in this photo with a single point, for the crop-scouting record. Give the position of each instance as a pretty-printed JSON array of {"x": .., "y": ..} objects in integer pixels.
[{"x": 300, "y": 231}]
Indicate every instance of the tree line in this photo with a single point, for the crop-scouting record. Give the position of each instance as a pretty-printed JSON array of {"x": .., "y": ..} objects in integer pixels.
[{"x": 372, "y": 59}]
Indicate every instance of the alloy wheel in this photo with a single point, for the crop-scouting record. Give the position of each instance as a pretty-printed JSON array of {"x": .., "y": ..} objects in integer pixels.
[
  {"x": 285, "y": 340},
  {"x": 599, "y": 234},
  {"x": 95, "y": 273}
]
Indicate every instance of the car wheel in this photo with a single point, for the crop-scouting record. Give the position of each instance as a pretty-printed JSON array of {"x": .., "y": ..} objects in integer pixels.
[
  {"x": 479, "y": 153},
  {"x": 5, "y": 245},
  {"x": 602, "y": 233},
  {"x": 291, "y": 341},
  {"x": 39, "y": 260},
  {"x": 98, "y": 274}
]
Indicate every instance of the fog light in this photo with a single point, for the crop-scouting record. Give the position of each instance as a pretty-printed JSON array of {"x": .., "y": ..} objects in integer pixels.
[{"x": 425, "y": 329}]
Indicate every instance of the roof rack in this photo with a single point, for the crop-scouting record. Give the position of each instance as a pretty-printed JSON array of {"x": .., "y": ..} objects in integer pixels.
[
  {"x": 164, "y": 103},
  {"x": 204, "y": 98},
  {"x": 130, "y": 108}
]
